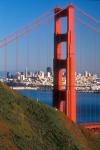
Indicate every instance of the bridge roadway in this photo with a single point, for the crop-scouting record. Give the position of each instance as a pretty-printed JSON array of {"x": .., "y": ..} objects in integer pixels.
[{"x": 94, "y": 126}]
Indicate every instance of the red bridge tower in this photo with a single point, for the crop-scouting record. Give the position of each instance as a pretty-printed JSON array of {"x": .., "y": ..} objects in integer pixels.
[{"x": 69, "y": 94}]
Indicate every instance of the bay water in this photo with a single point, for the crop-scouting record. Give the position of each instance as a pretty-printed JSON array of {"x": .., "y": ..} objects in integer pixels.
[{"x": 88, "y": 103}]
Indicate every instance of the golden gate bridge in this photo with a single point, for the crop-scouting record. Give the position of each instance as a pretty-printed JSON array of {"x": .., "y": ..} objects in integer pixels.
[{"x": 69, "y": 63}]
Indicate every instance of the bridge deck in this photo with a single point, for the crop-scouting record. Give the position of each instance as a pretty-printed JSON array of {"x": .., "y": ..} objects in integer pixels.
[{"x": 95, "y": 126}]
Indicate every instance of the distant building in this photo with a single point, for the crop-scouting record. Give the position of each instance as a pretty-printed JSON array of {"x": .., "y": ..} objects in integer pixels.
[
  {"x": 29, "y": 74},
  {"x": 18, "y": 74},
  {"x": 22, "y": 73},
  {"x": 86, "y": 74},
  {"x": 22, "y": 77},
  {"x": 48, "y": 74},
  {"x": 49, "y": 69},
  {"x": 8, "y": 75},
  {"x": 41, "y": 73}
]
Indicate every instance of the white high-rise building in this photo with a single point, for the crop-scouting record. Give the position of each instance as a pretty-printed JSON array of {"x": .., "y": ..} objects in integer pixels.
[{"x": 86, "y": 74}]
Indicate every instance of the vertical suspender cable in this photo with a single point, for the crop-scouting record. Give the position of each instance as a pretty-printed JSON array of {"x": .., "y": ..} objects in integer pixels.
[
  {"x": 5, "y": 60},
  {"x": 94, "y": 117},
  {"x": 27, "y": 52},
  {"x": 47, "y": 45},
  {"x": 38, "y": 49},
  {"x": 17, "y": 57}
]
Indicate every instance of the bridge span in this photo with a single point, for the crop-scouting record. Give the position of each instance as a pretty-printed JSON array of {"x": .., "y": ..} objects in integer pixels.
[{"x": 93, "y": 126}]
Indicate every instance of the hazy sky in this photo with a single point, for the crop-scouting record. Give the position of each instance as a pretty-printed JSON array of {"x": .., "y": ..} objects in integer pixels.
[{"x": 16, "y": 13}]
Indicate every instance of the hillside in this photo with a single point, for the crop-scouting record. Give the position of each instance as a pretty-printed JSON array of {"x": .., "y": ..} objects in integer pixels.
[{"x": 29, "y": 125}]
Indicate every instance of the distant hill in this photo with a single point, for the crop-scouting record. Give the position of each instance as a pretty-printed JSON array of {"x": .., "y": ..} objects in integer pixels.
[{"x": 29, "y": 125}]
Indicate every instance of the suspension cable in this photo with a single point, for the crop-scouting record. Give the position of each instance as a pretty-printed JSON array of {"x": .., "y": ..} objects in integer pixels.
[
  {"x": 87, "y": 15},
  {"x": 36, "y": 25},
  {"x": 87, "y": 25},
  {"x": 27, "y": 26}
]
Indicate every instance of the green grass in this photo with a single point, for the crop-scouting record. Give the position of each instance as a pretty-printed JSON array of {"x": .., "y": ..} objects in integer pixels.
[{"x": 29, "y": 125}]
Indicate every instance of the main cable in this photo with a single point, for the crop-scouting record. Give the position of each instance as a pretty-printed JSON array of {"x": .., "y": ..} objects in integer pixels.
[
  {"x": 36, "y": 25},
  {"x": 26, "y": 26},
  {"x": 87, "y": 25},
  {"x": 87, "y": 15}
]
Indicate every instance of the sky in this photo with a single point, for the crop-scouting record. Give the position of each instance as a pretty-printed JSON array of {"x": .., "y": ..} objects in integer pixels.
[{"x": 16, "y": 13}]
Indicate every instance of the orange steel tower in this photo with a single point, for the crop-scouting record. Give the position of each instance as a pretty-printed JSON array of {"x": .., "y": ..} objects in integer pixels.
[{"x": 69, "y": 94}]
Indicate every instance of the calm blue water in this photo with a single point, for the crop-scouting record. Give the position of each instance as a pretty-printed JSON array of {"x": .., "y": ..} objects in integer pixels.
[{"x": 88, "y": 104}]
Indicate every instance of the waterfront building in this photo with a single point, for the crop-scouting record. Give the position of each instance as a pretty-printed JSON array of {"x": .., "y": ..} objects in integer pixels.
[{"x": 49, "y": 69}]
